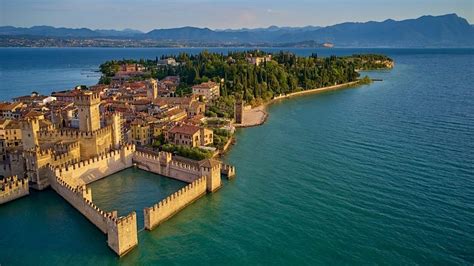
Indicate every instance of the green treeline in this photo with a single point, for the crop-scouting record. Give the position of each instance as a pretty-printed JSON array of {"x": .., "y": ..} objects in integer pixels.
[{"x": 285, "y": 73}]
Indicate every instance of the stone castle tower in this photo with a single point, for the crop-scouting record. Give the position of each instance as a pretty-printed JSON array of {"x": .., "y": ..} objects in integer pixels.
[
  {"x": 29, "y": 131},
  {"x": 116, "y": 121},
  {"x": 152, "y": 89},
  {"x": 89, "y": 115},
  {"x": 239, "y": 111}
]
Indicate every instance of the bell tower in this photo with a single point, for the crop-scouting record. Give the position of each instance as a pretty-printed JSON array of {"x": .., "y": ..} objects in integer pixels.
[
  {"x": 88, "y": 104},
  {"x": 152, "y": 89}
]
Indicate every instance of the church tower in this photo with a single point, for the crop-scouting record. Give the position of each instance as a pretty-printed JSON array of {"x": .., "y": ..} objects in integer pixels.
[
  {"x": 88, "y": 105},
  {"x": 152, "y": 89}
]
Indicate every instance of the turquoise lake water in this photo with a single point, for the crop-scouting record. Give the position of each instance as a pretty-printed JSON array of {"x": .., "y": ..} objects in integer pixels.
[{"x": 380, "y": 174}]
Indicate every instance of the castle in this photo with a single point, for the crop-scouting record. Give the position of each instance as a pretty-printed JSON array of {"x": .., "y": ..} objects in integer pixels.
[{"x": 69, "y": 159}]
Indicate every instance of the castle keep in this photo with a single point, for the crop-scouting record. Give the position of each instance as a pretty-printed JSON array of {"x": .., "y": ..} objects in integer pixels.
[{"x": 69, "y": 159}]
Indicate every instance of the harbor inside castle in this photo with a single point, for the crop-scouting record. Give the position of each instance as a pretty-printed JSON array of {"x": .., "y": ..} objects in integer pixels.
[{"x": 69, "y": 160}]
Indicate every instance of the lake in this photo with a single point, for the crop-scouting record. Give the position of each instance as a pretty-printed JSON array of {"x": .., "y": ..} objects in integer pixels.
[{"x": 379, "y": 174}]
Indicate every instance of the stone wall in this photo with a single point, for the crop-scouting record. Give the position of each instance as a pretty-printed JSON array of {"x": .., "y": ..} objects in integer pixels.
[
  {"x": 163, "y": 164},
  {"x": 184, "y": 172},
  {"x": 169, "y": 206},
  {"x": 151, "y": 162},
  {"x": 12, "y": 188},
  {"x": 37, "y": 162},
  {"x": 228, "y": 170},
  {"x": 121, "y": 231},
  {"x": 91, "y": 143},
  {"x": 98, "y": 167},
  {"x": 81, "y": 198},
  {"x": 122, "y": 235},
  {"x": 14, "y": 165}
]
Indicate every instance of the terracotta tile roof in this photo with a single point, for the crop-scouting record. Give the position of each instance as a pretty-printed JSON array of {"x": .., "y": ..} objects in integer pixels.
[
  {"x": 205, "y": 85},
  {"x": 71, "y": 93},
  {"x": 6, "y": 106},
  {"x": 14, "y": 124},
  {"x": 32, "y": 114},
  {"x": 184, "y": 129},
  {"x": 173, "y": 100},
  {"x": 139, "y": 122},
  {"x": 140, "y": 102}
]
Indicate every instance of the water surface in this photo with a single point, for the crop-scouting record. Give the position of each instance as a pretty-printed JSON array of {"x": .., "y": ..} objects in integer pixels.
[{"x": 380, "y": 174}]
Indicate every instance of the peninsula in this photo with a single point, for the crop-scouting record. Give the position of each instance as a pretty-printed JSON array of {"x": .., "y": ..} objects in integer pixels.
[{"x": 172, "y": 116}]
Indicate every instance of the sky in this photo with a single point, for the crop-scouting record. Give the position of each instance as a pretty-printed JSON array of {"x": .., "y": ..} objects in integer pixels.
[{"x": 222, "y": 14}]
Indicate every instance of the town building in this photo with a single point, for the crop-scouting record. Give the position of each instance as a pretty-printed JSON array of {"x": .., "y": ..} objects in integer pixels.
[
  {"x": 167, "y": 62},
  {"x": 40, "y": 149},
  {"x": 140, "y": 132},
  {"x": 208, "y": 90},
  {"x": 190, "y": 105},
  {"x": 189, "y": 135},
  {"x": 41, "y": 145},
  {"x": 10, "y": 110},
  {"x": 257, "y": 60}
]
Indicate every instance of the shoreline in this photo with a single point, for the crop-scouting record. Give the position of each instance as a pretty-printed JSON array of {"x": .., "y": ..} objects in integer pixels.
[{"x": 259, "y": 115}]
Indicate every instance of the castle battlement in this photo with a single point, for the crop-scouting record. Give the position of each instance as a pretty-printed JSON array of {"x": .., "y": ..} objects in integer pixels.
[
  {"x": 12, "y": 188},
  {"x": 54, "y": 157},
  {"x": 82, "y": 192},
  {"x": 166, "y": 201},
  {"x": 102, "y": 131},
  {"x": 27, "y": 123},
  {"x": 63, "y": 157},
  {"x": 167, "y": 207},
  {"x": 87, "y": 98},
  {"x": 69, "y": 134},
  {"x": 66, "y": 147},
  {"x": 11, "y": 182},
  {"x": 184, "y": 166},
  {"x": 228, "y": 170},
  {"x": 126, "y": 220},
  {"x": 130, "y": 148},
  {"x": 147, "y": 155}
]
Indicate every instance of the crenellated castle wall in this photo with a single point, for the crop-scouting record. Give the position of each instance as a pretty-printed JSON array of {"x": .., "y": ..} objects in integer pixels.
[
  {"x": 121, "y": 231},
  {"x": 14, "y": 166},
  {"x": 98, "y": 167},
  {"x": 163, "y": 164},
  {"x": 81, "y": 198},
  {"x": 91, "y": 143},
  {"x": 37, "y": 162},
  {"x": 160, "y": 212},
  {"x": 183, "y": 171},
  {"x": 70, "y": 179},
  {"x": 122, "y": 235},
  {"x": 152, "y": 163},
  {"x": 12, "y": 188},
  {"x": 228, "y": 170}
]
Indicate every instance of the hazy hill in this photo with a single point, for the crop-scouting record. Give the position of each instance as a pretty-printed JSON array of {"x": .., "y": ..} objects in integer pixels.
[
  {"x": 426, "y": 31},
  {"x": 447, "y": 30}
]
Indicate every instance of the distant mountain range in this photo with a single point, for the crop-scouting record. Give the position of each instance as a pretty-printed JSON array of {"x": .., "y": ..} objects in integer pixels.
[{"x": 426, "y": 31}]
